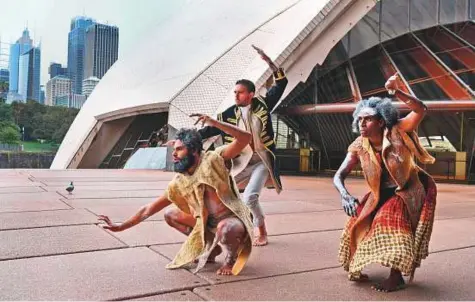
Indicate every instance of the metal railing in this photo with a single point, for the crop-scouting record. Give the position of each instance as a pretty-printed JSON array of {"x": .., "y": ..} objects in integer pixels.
[{"x": 12, "y": 148}]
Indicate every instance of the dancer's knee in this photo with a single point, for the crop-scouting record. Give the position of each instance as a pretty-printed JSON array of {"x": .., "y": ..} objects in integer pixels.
[
  {"x": 229, "y": 230},
  {"x": 171, "y": 215}
]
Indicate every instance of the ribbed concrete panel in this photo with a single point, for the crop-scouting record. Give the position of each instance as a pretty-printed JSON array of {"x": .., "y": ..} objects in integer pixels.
[{"x": 201, "y": 96}]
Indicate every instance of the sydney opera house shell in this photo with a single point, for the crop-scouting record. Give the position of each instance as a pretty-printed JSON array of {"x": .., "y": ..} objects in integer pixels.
[{"x": 335, "y": 53}]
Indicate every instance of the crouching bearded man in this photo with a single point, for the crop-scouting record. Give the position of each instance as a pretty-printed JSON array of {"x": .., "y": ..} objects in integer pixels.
[{"x": 207, "y": 207}]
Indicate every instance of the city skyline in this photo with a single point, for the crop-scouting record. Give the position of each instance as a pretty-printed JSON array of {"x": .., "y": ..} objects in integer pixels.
[{"x": 49, "y": 22}]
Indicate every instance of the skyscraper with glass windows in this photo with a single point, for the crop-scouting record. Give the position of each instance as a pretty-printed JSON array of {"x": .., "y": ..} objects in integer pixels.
[
  {"x": 56, "y": 69},
  {"x": 29, "y": 75},
  {"x": 22, "y": 45},
  {"x": 102, "y": 49},
  {"x": 76, "y": 51}
]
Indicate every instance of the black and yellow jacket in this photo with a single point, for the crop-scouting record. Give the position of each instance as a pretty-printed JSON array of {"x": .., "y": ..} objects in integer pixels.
[{"x": 261, "y": 108}]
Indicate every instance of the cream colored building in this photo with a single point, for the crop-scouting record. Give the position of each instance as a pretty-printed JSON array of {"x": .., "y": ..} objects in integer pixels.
[
  {"x": 56, "y": 87},
  {"x": 88, "y": 85}
]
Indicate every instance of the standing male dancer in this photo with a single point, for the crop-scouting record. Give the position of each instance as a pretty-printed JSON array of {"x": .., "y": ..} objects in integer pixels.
[{"x": 256, "y": 166}]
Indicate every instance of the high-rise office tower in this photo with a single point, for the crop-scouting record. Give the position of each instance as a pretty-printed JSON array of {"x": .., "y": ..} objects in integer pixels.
[
  {"x": 29, "y": 75},
  {"x": 22, "y": 45},
  {"x": 102, "y": 49},
  {"x": 76, "y": 51},
  {"x": 56, "y": 69}
]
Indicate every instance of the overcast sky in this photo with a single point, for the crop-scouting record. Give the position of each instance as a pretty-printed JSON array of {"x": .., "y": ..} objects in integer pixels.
[{"x": 49, "y": 22}]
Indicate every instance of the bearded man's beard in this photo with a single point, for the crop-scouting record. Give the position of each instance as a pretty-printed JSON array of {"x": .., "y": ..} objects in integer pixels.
[{"x": 184, "y": 164}]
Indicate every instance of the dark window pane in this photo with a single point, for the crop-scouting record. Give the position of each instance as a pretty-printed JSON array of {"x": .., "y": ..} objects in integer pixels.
[
  {"x": 334, "y": 86},
  {"x": 367, "y": 67},
  {"x": 450, "y": 61},
  {"x": 335, "y": 58},
  {"x": 469, "y": 78},
  {"x": 429, "y": 38},
  {"x": 401, "y": 50},
  {"x": 400, "y": 44},
  {"x": 408, "y": 66},
  {"x": 467, "y": 32},
  {"x": 445, "y": 46},
  {"x": 429, "y": 91}
]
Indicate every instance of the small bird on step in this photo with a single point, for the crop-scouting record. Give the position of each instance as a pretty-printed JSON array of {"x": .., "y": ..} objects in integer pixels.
[{"x": 70, "y": 188}]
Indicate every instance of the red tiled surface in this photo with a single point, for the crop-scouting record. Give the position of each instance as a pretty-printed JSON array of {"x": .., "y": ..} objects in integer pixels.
[{"x": 53, "y": 249}]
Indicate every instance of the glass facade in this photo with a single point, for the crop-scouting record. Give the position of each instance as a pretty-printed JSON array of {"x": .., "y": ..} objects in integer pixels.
[
  {"x": 429, "y": 43},
  {"x": 102, "y": 49},
  {"x": 56, "y": 69},
  {"x": 17, "y": 49},
  {"x": 29, "y": 75},
  {"x": 76, "y": 51}
]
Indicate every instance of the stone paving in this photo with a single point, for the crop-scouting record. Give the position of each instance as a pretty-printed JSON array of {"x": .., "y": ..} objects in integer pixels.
[{"x": 53, "y": 249}]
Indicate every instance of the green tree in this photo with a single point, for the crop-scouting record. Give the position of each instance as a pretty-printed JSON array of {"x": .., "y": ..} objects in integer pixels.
[
  {"x": 9, "y": 133},
  {"x": 6, "y": 113},
  {"x": 50, "y": 123},
  {"x": 3, "y": 91},
  {"x": 3, "y": 86}
]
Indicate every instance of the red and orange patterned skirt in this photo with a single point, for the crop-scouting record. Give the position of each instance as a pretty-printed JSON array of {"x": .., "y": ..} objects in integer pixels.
[{"x": 391, "y": 241}]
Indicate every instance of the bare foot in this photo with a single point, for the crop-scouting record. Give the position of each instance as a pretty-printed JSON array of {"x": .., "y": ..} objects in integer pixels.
[
  {"x": 393, "y": 283},
  {"x": 358, "y": 278},
  {"x": 260, "y": 240},
  {"x": 226, "y": 269}
]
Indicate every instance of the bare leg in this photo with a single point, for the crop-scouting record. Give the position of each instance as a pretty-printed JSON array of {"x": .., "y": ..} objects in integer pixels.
[
  {"x": 179, "y": 220},
  {"x": 393, "y": 283},
  {"x": 185, "y": 223},
  {"x": 231, "y": 232}
]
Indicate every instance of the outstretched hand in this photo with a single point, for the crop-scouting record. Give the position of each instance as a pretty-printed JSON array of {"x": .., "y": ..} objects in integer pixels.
[
  {"x": 349, "y": 204},
  {"x": 266, "y": 58},
  {"x": 261, "y": 53},
  {"x": 114, "y": 227},
  {"x": 204, "y": 119}
]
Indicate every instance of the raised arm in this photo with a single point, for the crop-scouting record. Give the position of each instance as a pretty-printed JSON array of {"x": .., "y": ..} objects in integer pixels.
[
  {"x": 349, "y": 203},
  {"x": 142, "y": 214},
  {"x": 415, "y": 117},
  {"x": 208, "y": 131},
  {"x": 274, "y": 93},
  {"x": 242, "y": 137}
]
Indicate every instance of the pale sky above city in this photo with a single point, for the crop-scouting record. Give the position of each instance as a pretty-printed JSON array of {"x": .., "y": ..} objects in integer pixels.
[{"x": 49, "y": 22}]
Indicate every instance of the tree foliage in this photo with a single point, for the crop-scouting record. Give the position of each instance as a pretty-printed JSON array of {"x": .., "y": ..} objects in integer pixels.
[
  {"x": 9, "y": 134},
  {"x": 39, "y": 121}
]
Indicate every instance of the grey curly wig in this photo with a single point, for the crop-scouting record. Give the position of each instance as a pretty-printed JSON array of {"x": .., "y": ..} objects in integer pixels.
[
  {"x": 384, "y": 108},
  {"x": 191, "y": 138}
]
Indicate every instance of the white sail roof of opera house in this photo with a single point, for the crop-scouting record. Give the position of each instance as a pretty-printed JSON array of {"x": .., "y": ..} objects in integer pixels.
[{"x": 191, "y": 61}]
